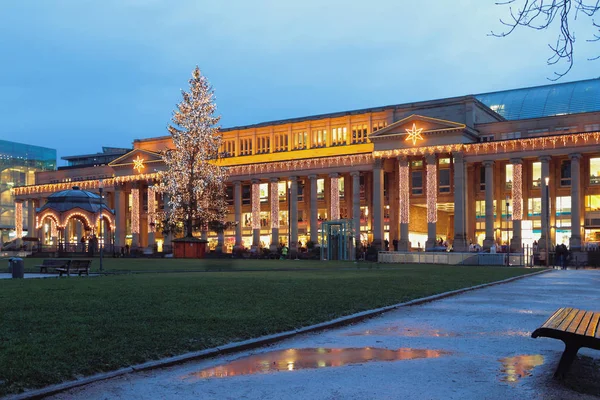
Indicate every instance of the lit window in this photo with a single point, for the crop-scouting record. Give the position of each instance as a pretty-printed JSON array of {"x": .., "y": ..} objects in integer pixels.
[
  {"x": 377, "y": 125},
  {"x": 339, "y": 136},
  {"x": 595, "y": 171},
  {"x": 264, "y": 192},
  {"x": 359, "y": 133},
  {"x": 509, "y": 176},
  {"x": 536, "y": 176},
  {"x": 281, "y": 142},
  {"x": 341, "y": 187},
  {"x": 320, "y": 189},
  {"x": 245, "y": 147},
  {"x": 534, "y": 207},
  {"x": 319, "y": 138},
  {"x": 300, "y": 140},
  {"x": 282, "y": 190},
  {"x": 417, "y": 182}
]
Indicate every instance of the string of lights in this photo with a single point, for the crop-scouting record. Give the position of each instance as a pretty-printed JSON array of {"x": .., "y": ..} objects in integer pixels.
[
  {"x": 19, "y": 219},
  {"x": 151, "y": 209},
  {"x": 274, "y": 204},
  {"x": 404, "y": 197},
  {"x": 517, "y": 192},
  {"x": 431, "y": 192},
  {"x": 135, "y": 210},
  {"x": 335, "y": 196},
  {"x": 255, "y": 205}
]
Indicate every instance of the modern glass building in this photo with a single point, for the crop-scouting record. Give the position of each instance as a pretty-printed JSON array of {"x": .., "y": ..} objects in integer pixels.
[{"x": 18, "y": 164}]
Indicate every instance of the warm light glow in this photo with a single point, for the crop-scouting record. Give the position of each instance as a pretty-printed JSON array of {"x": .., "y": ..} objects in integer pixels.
[
  {"x": 517, "y": 192},
  {"x": 76, "y": 214},
  {"x": 275, "y": 205},
  {"x": 151, "y": 209},
  {"x": 19, "y": 219},
  {"x": 334, "y": 192},
  {"x": 255, "y": 205},
  {"x": 414, "y": 134},
  {"x": 53, "y": 228},
  {"x": 135, "y": 211},
  {"x": 404, "y": 187},
  {"x": 431, "y": 193},
  {"x": 138, "y": 163},
  {"x": 547, "y": 179}
]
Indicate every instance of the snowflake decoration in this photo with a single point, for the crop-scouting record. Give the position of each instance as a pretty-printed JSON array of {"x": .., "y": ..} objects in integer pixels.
[
  {"x": 414, "y": 134},
  {"x": 138, "y": 164}
]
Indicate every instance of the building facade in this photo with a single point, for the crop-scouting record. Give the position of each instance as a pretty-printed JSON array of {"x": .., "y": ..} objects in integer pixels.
[
  {"x": 510, "y": 167},
  {"x": 18, "y": 164}
]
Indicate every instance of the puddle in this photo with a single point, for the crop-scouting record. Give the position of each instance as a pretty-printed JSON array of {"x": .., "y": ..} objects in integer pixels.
[
  {"x": 518, "y": 367},
  {"x": 296, "y": 359},
  {"x": 407, "y": 332}
]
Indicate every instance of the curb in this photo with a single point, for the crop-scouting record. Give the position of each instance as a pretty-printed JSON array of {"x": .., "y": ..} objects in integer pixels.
[{"x": 250, "y": 343}]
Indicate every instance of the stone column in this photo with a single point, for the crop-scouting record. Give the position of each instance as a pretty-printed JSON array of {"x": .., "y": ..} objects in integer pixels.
[
  {"x": 151, "y": 205},
  {"x": 274, "y": 198},
  {"x": 545, "y": 194},
  {"x": 404, "y": 203},
  {"x": 293, "y": 214},
  {"x": 517, "y": 200},
  {"x": 120, "y": 223},
  {"x": 489, "y": 205},
  {"x": 255, "y": 212},
  {"x": 237, "y": 205},
  {"x": 334, "y": 197},
  {"x": 378, "y": 204},
  {"x": 431, "y": 201},
  {"x": 314, "y": 223},
  {"x": 575, "y": 239},
  {"x": 460, "y": 242},
  {"x": 356, "y": 208}
]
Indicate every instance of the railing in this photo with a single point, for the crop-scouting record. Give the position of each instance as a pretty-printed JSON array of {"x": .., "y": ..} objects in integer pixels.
[{"x": 451, "y": 258}]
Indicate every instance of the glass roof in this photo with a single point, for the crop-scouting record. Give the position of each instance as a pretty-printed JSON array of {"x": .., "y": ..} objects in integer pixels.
[{"x": 545, "y": 101}]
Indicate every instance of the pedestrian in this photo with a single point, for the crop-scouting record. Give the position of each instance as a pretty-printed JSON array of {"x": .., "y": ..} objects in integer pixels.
[
  {"x": 386, "y": 244},
  {"x": 284, "y": 252},
  {"x": 82, "y": 244},
  {"x": 395, "y": 244}
]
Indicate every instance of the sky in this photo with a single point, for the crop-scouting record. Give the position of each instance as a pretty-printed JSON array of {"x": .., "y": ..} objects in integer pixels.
[{"x": 77, "y": 75}]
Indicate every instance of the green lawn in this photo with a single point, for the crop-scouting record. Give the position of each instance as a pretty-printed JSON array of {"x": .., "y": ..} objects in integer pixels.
[{"x": 54, "y": 330}]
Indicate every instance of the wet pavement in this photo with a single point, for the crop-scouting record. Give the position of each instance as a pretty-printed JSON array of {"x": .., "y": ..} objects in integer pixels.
[{"x": 476, "y": 345}]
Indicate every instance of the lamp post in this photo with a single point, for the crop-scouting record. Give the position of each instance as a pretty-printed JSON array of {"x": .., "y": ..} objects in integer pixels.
[
  {"x": 507, "y": 238},
  {"x": 101, "y": 233},
  {"x": 547, "y": 217},
  {"x": 289, "y": 227}
]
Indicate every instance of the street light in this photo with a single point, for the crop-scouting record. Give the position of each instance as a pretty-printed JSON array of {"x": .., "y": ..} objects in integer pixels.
[
  {"x": 101, "y": 189},
  {"x": 547, "y": 217}
]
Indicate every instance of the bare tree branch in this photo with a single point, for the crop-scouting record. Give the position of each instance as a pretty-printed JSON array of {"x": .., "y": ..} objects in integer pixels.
[{"x": 541, "y": 14}]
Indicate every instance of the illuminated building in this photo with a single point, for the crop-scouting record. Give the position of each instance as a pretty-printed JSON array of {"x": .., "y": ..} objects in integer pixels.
[{"x": 415, "y": 173}]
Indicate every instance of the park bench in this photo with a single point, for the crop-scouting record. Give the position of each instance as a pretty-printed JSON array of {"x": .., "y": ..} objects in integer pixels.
[
  {"x": 576, "y": 328},
  {"x": 76, "y": 266},
  {"x": 52, "y": 263}
]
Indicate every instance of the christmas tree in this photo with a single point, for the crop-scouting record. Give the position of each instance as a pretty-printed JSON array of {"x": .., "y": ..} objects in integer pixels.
[{"x": 192, "y": 179}]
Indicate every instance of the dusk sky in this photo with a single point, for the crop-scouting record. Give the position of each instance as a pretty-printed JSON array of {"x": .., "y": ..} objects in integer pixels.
[{"x": 78, "y": 74}]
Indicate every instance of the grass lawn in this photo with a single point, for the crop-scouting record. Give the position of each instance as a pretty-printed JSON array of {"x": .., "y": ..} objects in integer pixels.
[{"x": 54, "y": 330}]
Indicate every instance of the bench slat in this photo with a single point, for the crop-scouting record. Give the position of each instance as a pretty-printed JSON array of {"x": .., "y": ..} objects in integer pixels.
[
  {"x": 584, "y": 323},
  {"x": 557, "y": 318},
  {"x": 568, "y": 319},
  {"x": 574, "y": 324},
  {"x": 593, "y": 328}
]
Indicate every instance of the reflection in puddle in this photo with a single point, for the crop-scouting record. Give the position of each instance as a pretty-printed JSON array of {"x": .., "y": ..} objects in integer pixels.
[
  {"x": 398, "y": 331},
  {"x": 519, "y": 367},
  {"x": 295, "y": 359}
]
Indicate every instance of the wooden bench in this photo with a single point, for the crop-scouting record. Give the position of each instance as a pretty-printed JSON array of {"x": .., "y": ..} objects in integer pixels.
[
  {"x": 576, "y": 328},
  {"x": 79, "y": 266},
  {"x": 52, "y": 263}
]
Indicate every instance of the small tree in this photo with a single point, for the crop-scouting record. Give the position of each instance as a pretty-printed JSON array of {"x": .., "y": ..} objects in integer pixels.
[
  {"x": 193, "y": 180},
  {"x": 541, "y": 14}
]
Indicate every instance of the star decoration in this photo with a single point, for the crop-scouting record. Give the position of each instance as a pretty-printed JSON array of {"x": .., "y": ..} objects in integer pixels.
[
  {"x": 414, "y": 134},
  {"x": 138, "y": 164}
]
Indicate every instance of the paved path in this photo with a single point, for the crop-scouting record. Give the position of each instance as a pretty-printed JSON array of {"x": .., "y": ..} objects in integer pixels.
[
  {"x": 28, "y": 276},
  {"x": 478, "y": 329}
]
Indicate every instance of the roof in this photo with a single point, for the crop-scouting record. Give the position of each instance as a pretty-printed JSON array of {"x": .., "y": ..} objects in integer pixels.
[
  {"x": 66, "y": 200},
  {"x": 545, "y": 101}
]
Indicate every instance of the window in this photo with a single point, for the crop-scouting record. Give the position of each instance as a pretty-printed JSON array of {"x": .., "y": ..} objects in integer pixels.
[
  {"x": 417, "y": 182},
  {"x": 534, "y": 207},
  {"x": 536, "y": 174},
  {"x": 263, "y": 144},
  {"x": 320, "y": 189},
  {"x": 359, "y": 133},
  {"x": 487, "y": 138},
  {"x": 509, "y": 176},
  {"x": 228, "y": 149},
  {"x": 563, "y": 206},
  {"x": 300, "y": 190},
  {"x": 263, "y": 189},
  {"x": 281, "y": 142},
  {"x": 377, "y": 125},
  {"x": 595, "y": 171},
  {"x": 565, "y": 173},
  {"x": 265, "y": 219},
  {"x": 510, "y": 135},
  {"x": 505, "y": 212},
  {"x": 339, "y": 136},
  {"x": 228, "y": 195},
  {"x": 319, "y": 138},
  {"x": 444, "y": 180},
  {"x": 245, "y": 147},
  {"x": 480, "y": 209},
  {"x": 482, "y": 178},
  {"x": 592, "y": 203},
  {"x": 282, "y": 190},
  {"x": 300, "y": 140},
  {"x": 246, "y": 194},
  {"x": 341, "y": 190}
]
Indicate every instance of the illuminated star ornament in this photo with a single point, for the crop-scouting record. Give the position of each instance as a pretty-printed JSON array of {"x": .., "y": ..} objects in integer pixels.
[
  {"x": 414, "y": 134},
  {"x": 138, "y": 164}
]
